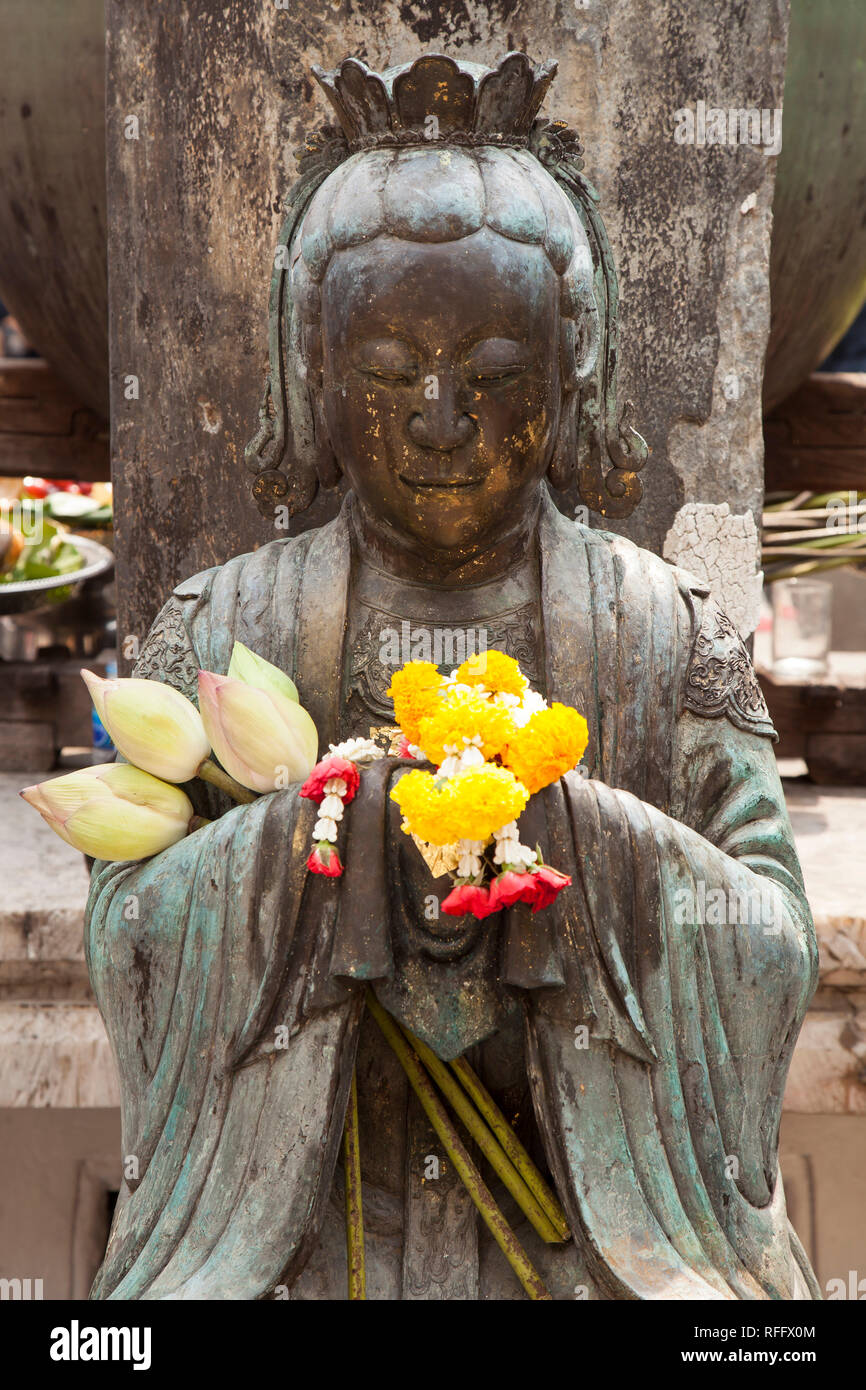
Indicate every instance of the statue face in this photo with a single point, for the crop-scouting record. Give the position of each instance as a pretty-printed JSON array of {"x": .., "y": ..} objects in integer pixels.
[{"x": 442, "y": 382}]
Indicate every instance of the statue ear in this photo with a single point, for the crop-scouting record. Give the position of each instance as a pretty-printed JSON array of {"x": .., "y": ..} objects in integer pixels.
[
  {"x": 311, "y": 348},
  {"x": 587, "y": 337},
  {"x": 319, "y": 452},
  {"x": 562, "y": 469},
  {"x": 327, "y": 465},
  {"x": 580, "y": 327},
  {"x": 609, "y": 451},
  {"x": 578, "y": 359},
  {"x": 290, "y": 454}
]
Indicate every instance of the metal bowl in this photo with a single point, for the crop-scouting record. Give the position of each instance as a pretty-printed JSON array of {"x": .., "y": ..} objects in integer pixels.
[{"x": 44, "y": 593}]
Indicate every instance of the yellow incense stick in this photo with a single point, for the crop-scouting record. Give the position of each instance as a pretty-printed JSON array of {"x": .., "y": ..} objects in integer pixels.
[
  {"x": 457, "y": 1152},
  {"x": 512, "y": 1146},
  {"x": 354, "y": 1208},
  {"x": 489, "y": 1145}
]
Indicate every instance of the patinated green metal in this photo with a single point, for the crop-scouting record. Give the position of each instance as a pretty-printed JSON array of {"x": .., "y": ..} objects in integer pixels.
[{"x": 640, "y": 1029}]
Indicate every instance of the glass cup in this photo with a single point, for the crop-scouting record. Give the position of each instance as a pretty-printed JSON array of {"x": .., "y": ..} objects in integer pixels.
[{"x": 802, "y": 615}]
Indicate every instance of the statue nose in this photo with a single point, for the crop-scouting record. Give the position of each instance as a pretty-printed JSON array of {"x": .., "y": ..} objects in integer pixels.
[{"x": 441, "y": 425}]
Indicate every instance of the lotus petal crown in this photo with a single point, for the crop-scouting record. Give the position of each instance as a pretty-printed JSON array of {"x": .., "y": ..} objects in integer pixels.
[{"x": 469, "y": 103}]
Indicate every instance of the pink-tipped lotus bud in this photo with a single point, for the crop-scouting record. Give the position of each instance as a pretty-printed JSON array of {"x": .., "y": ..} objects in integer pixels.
[
  {"x": 254, "y": 670},
  {"x": 153, "y": 725},
  {"x": 262, "y": 738},
  {"x": 113, "y": 811}
]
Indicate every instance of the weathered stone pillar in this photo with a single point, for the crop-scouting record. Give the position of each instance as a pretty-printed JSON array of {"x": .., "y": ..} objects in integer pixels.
[{"x": 206, "y": 103}]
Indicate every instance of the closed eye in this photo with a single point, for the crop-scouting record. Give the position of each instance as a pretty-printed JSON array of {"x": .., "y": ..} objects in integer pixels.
[
  {"x": 492, "y": 376},
  {"x": 387, "y": 359},
  {"x": 496, "y": 361},
  {"x": 405, "y": 376}
]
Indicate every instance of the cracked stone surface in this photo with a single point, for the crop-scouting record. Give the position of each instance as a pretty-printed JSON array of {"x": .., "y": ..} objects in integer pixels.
[
  {"x": 721, "y": 548},
  {"x": 55, "y": 1054}
]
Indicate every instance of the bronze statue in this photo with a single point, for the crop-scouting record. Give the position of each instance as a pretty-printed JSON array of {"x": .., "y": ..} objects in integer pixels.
[{"x": 442, "y": 349}]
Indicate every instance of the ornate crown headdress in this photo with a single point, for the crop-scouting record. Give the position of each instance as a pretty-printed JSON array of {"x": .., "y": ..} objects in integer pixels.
[
  {"x": 437, "y": 98},
  {"x": 455, "y": 102}
]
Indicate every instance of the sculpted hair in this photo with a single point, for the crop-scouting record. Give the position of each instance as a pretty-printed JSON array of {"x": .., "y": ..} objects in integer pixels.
[{"x": 441, "y": 192}]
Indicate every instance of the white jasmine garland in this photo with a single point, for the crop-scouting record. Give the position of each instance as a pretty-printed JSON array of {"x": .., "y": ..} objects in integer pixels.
[
  {"x": 470, "y": 858},
  {"x": 509, "y": 850},
  {"x": 357, "y": 750},
  {"x": 325, "y": 829},
  {"x": 457, "y": 758},
  {"x": 457, "y": 687},
  {"x": 513, "y": 852},
  {"x": 531, "y": 703}
]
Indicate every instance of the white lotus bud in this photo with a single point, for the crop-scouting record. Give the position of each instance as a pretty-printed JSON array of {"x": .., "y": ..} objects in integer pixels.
[
  {"x": 153, "y": 725},
  {"x": 113, "y": 811},
  {"x": 262, "y": 738},
  {"x": 253, "y": 670}
]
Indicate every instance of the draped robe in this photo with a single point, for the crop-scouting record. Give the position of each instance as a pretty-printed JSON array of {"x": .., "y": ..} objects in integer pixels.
[{"x": 658, "y": 1034}]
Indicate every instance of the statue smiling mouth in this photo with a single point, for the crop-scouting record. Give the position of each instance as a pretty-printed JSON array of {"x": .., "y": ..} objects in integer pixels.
[{"x": 440, "y": 484}]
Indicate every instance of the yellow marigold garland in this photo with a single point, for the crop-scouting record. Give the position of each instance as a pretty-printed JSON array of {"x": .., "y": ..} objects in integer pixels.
[
  {"x": 468, "y": 806},
  {"x": 495, "y": 671},
  {"x": 464, "y": 815},
  {"x": 486, "y": 798},
  {"x": 465, "y": 716},
  {"x": 550, "y": 743},
  {"x": 415, "y": 691}
]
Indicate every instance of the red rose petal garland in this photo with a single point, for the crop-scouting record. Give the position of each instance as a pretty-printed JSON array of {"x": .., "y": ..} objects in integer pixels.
[{"x": 332, "y": 784}]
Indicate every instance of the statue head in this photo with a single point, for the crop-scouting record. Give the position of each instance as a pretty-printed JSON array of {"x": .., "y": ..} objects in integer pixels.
[{"x": 443, "y": 310}]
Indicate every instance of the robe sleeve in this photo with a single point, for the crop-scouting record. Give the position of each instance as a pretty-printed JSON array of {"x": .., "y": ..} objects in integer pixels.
[
  {"x": 695, "y": 929},
  {"x": 233, "y": 1086}
]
